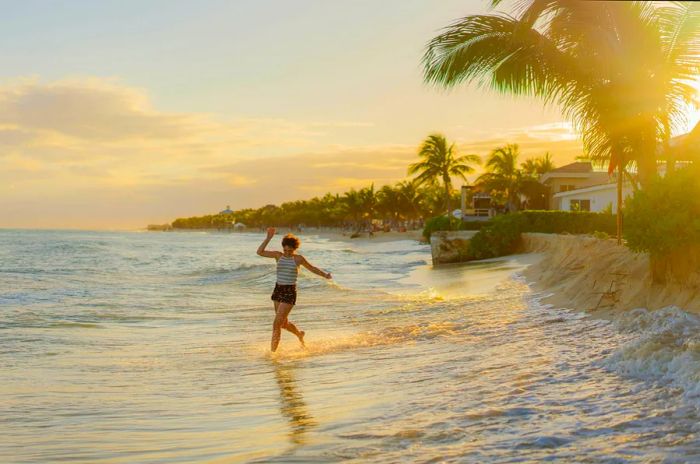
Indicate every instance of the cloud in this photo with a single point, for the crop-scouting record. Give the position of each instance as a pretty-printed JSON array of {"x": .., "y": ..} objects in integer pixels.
[
  {"x": 96, "y": 153},
  {"x": 95, "y": 110}
]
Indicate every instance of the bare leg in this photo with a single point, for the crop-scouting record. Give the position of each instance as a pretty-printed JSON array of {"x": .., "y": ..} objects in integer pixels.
[
  {"x": 283, "y": 310},
  {"x": 289, "y": 326},
  {"x": 293, "y": 329}
]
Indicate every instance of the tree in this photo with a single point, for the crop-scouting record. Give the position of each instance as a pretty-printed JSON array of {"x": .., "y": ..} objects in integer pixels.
[
  {"x": 531, "y": 187},
  {"x": 503, "y": 178},
  {"x": 389, "y": 203},
  {"x": 535, "y": 167},
  {"x": 410, "y": 199},
  {"x": 440, "y": 162},
  {"x": 353, "y": 206},
  {"x": 622, "y": 72}
]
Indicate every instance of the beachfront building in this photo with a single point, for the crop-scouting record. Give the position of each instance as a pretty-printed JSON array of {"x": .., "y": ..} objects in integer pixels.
[
  {"x": 572, "y": 177},
  {"x": 475, "y": 204},
  {"x": 227, "y": 210},
  {"x": 577, "y": 187},
  {"x": 596, "y": 198}
]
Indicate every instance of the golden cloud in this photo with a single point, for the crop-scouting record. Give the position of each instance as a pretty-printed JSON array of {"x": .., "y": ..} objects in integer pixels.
[{"x": 95, "y": 152}]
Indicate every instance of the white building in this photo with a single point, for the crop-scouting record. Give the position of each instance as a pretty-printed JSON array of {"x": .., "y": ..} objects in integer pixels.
[
  {"x": 595, "y": 198},
  {"x": 572, "y": 177}
]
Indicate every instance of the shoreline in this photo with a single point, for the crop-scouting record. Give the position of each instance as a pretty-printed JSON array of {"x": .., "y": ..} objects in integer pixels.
[
  {"x": 335, "y": 235},
  {"x": 378, "y": 237}
]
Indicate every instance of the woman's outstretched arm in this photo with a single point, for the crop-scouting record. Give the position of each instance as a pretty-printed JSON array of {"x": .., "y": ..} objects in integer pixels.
[
  {"x": 314, "y": 269},
  {"x": 261, "y": 248}
]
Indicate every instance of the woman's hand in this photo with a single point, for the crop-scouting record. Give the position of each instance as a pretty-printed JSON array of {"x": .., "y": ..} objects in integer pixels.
[
  {"x": 270, "y": 232},
  {"x": 328, "y": 275}
]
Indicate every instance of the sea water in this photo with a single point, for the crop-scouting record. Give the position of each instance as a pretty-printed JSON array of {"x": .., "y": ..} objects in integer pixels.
[{"x": 129, "y": 347}]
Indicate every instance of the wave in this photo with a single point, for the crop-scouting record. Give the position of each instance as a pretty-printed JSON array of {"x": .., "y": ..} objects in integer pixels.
[
  {"x": 665, "y": 348},
  {"x": 216, "y": 270}
]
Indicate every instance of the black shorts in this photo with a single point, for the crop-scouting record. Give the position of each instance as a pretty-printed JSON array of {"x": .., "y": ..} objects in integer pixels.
[{"x": 285, "y": 294}]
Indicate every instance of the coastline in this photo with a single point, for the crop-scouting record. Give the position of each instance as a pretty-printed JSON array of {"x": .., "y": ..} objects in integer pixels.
[
  {"x": 378, "y": 237},
  {"x": 598, "y": 276}
]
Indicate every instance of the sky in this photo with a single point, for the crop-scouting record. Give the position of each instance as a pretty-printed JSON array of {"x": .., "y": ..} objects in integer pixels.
[{"x": 117, "y": 114}]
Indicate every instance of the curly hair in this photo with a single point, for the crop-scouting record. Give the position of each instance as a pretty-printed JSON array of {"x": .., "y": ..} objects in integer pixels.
[{"x": 291, "y": 240}]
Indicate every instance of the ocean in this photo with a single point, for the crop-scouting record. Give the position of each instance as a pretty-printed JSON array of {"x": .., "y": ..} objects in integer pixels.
[{"x": 126, "y": 347}]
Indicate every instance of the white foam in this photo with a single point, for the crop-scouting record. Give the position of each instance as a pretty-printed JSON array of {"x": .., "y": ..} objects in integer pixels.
[{"x": 665, "y": 348}]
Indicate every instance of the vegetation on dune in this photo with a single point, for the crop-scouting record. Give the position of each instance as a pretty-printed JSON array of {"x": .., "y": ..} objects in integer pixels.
[
  {"x": 665, "y": 216},
  {"x": 502, "y": 235}
]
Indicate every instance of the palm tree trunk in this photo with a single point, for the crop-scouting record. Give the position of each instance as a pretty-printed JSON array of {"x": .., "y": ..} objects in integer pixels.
[
  {"x": 620, "y": 172},
  {"x": 447, "y": 194}
]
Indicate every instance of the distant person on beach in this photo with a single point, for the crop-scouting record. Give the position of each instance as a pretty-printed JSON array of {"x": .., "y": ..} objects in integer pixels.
[{"x": 285, "y": 294}]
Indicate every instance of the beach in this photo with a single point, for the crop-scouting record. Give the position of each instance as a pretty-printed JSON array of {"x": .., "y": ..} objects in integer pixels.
[
  {"x": 599, "y": 276},
  {"x": 154, "y": 347}
]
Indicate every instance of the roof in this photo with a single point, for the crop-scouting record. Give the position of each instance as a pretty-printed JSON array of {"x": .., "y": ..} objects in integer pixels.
[
  {"x": 577, "y": 170},
  {"x": 578, "y": 167}
]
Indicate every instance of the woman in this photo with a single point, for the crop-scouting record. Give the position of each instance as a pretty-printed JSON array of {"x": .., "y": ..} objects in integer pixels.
[{"x": 285, "y": 294}]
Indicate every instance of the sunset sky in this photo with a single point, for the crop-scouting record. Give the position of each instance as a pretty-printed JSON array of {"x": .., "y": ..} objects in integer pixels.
[{"x": 117, "y": 114}]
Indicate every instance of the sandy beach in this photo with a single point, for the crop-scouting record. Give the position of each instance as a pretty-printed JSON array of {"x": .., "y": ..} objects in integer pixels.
[{"x": 586, "y": 273}]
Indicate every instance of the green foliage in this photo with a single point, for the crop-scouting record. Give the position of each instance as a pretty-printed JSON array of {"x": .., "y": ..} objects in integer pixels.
[
  {"x": 449, "y": 223},
  {"x": 665, "y": 216},
  {"x": 502, "y": 235},
  {"x": 404, "y": 201},
  {"x": 568, "y": 222},
  {"x": 506, "y": 183},
  {"x": 439, "y": 162}
]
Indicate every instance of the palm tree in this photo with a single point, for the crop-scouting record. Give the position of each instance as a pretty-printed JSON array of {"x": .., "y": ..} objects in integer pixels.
[
  {"x": 531, "y": 186},
  {"x": 389, "y": 203},
  {"x": 360, "y": 205},
  {"x": 353, "y": 206},
  {"x": 535, "y": 167},
  {"x": 503, "y": 176},
  {"x": 440, "y": 162},
  {"x": 410, "y": 198},
  {"x": 622, "y": 72}
]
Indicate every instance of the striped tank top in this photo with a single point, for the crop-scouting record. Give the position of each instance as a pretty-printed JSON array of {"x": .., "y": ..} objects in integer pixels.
[{"x": 287, "y": 270}]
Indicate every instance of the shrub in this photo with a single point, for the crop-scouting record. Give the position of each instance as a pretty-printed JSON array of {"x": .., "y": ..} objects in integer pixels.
[
  {"x": 449, "y": 223},
  {"x": 502, "y": 235},
  {"x": 568, "y": 222},
  {"x": 665, "y": 216}
]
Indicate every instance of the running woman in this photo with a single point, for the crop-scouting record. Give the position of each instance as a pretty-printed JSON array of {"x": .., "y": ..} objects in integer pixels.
[{"x": 285, "y": 294}]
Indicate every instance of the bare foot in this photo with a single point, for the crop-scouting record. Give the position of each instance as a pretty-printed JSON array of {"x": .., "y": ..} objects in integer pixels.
[{"x": 301, "y": 338}]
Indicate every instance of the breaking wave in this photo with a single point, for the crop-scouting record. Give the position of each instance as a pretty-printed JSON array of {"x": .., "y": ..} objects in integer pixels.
[{"x": 664, "y": 347}]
